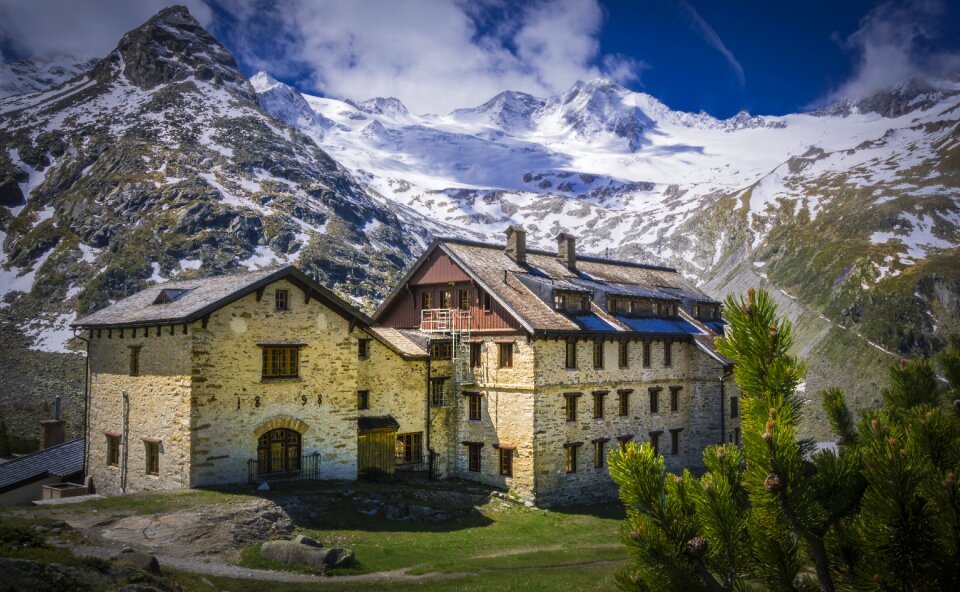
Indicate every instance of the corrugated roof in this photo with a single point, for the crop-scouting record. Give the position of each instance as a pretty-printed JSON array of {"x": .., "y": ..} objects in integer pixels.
[
  {"x": 61, "y": 460},
  {"x": 184, "y": 301}
]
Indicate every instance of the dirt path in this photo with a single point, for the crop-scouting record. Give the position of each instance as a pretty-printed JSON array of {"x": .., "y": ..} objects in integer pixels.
[
  {"x": 536, "y": 549},
  {"x": 216, "y": 568}
]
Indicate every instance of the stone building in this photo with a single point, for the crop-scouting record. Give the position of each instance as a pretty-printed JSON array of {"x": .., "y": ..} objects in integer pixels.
[{"x": 515, "y": 367}]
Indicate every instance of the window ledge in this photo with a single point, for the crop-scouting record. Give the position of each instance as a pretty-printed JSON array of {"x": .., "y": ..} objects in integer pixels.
[{"x": 281, "y": 379}]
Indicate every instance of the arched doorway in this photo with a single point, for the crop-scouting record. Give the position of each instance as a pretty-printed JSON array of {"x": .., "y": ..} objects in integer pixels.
[{"x": 278, "y": 451}]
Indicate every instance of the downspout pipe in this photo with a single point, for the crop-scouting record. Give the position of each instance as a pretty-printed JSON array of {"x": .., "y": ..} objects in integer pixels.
[
  {"x": 86, "y": 402},
  {"x": 727, "y": 372},
  {"x": 426, "y": 415},
  {"x": 124, "y": 428}
]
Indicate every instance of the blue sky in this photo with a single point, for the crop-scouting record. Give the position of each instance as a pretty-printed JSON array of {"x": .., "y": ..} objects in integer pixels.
[{"x": 436, "y": 55}]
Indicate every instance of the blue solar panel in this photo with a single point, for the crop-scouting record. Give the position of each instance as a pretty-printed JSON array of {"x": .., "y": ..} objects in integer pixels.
[
  {"x": 592, "y": 323},
  {"x": 660, "y": 325}
]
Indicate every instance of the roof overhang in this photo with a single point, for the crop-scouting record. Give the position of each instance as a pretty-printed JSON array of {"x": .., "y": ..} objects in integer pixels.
[{"x": 290, "y": 273}]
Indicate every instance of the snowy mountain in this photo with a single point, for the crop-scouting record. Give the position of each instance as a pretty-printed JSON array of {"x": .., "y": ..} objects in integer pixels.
[
  {"x": 31, "y": 75},
  {"x": 160, "y": 162},
  {"x": 851, "y": 214}
]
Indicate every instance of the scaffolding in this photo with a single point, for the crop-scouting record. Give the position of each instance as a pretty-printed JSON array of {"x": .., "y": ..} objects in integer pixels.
[{"x": 452, "y": 324}]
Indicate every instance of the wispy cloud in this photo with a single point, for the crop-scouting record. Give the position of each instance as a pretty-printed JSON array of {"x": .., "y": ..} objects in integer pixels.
[
  {"x": 434, "y": 55},
  {"x": 87, "y": 29},
  {"x": 896, "y": 41},
  {"x": 700, "y": 25}
]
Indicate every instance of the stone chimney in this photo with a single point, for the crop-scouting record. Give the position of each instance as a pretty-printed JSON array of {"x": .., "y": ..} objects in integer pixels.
[
  {"x": 567, "y": 250},
  {"x": 53, "y": 431},
  {"x": 517, "y": 244}
]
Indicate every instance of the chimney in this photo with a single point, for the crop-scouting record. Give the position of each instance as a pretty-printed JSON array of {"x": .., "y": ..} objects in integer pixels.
[
  {"x": 53, "y": 431},
  {"x": 567, "y": 250},
  {"x": 517, "y": 244}
]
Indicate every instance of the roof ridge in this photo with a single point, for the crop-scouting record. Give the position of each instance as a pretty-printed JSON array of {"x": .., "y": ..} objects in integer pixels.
[{"x": 580, "y": 257}]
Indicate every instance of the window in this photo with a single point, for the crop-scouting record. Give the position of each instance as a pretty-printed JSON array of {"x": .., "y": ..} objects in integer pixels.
[
  {"x": 363, "y": 399},
  {"x": 598, "y": 354},
  {"x": 281, "y": 362},
  {"x": 570, "y": 410},
  {"x": 624, "y": 355},
  {"x": 655, "y": 399},
  {"x": 624, "y": 402},
  {"x": 134, "y": 360},
  {"x": 446, "y": 299},
  {"x": 667, "y": 354},
  {"x": 281, "y": 300},
  {"x": 437, "y": 394},
  {"x": 486, "y": 302},
  {"x": 584, "y": 303},
  {"x": 675, "y": 398},
  {"x": 426, "y": 300},
  {"x": 363, "y": 348},
  {"x": 734, "y": 407},
  {"x": 506, "y": 461},
  {"x": 560, "y": 301},
  {"x": 474, "y": 406},
  {"x": 152, "y": 449},
  {"x": 623, "y": 440},
  {"x": 410, "y": 448},
  {"x": 278, "y": 451},
  {"x": 675, "y": 440},
  {"x": 736, "y": 436},
  {"x": 655, "y": 441},
  {"x": 441, "y": 350},
  {"x": 464, "y": 299},
  {"x": 113, "y": 450},
  {"x": 598, "y": 404},
  {"x": 571, "y": 360},
  {"x": 646, "y": 354},
  {"x": 572, "y": 456},
  {"x": 473, "y": 456},
  {"x": 599, "y": 449},
  {"x": 505, "y": 357},
  {"x": 475, "y": 349}
]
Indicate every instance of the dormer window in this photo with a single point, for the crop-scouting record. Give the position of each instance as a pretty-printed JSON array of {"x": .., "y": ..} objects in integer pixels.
[
  {"x": 560, "y": 301},
  {"x": 584, "y": 303},
  {"x": 168, "y": 295}
]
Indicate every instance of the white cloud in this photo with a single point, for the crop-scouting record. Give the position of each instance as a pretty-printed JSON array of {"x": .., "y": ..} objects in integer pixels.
[
  {"x": 73, "y": 27},
  {"x": 896, "y": 41},
  {"x": 712, "y": 38},
  {"x": 434, "y": 55}
]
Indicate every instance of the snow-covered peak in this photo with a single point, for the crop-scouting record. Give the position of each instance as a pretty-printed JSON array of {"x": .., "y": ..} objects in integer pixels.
[
  {"x": 262, "y": 82},
  {"x": 287, "y": 104},
  {"x": 383, "y": 106},
  {"x": 509, "y": 110}
]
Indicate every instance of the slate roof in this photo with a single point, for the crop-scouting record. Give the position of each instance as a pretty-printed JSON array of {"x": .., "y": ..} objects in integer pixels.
[
  {"x": 61, "y": 460},
  {"x": 192, "y": 299},
  {"x": 508, "y": 283},
  {"x": 406, "y": 342}
]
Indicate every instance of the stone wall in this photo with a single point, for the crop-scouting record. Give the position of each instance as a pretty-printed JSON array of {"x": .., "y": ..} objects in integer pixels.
[
  {"x": 231, "y": 400},
  {"x": 159, "y": 407},
  {"x": 506, "y": 418},
  {"x": 697, "y": 414}
]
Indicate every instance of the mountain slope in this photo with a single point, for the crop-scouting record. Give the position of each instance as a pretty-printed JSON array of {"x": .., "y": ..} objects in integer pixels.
[
  {"x": 850, "y": 214},
  {"x": 158, "y": 163}
]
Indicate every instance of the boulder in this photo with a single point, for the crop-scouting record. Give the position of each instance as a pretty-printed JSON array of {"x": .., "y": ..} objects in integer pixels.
[
  {"x": 305, "y": 540},
  {"x": 307, "y": 551},
  {"x": 10, "y": 194},
  {"x": 139, "y": 560}
]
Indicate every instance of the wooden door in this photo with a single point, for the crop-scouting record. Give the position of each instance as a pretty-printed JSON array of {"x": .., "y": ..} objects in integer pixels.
[{"x": 376, "y": 452}]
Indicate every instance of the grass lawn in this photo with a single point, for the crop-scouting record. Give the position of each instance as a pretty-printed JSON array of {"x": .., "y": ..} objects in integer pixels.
[{"x": 489, "y": 545}]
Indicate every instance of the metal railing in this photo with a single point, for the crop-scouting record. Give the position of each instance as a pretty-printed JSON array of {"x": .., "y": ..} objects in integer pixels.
[{"x": 309, "y": 470}]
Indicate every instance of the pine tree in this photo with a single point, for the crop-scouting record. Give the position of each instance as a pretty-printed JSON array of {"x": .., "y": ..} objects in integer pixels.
[{"x": 881, "y": 513}]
